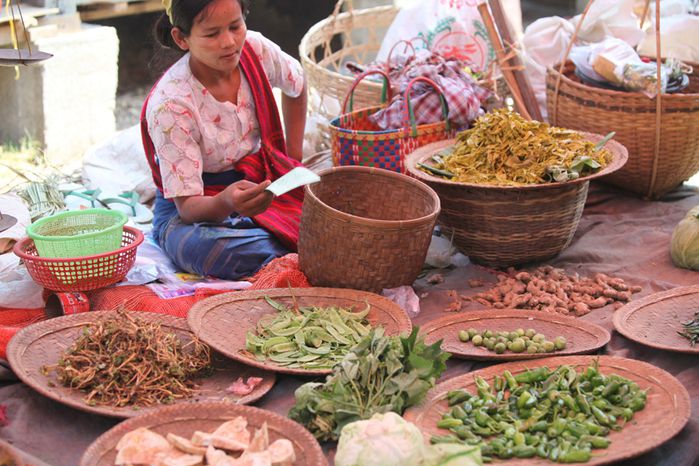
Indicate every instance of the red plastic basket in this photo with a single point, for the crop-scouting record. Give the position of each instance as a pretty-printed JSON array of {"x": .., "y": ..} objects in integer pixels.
[{"x": 81, "y": 273}]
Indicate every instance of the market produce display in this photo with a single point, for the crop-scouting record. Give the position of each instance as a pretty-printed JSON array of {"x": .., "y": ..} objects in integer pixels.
[
  {"x": 380, "y": 374},
  {"x": 307, "y": 337},
  {"x": 691, "y": 329},
  {"x": 667, "y": 320},
  {"x": 123, "y": 360},
  {"x": 559, "y": 414},
  {"x": 516, "y": 341},
  {"x": 229, "y": 442},
  {"x": 553, "y": 290},
  {"x": 504, "y": 149}
]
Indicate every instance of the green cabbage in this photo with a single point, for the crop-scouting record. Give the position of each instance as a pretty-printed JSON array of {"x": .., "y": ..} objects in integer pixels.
[
  {"x": 388, "y": 439},
  {"x": 379, "y": 441},
  {"x": 684, "y": 247}
]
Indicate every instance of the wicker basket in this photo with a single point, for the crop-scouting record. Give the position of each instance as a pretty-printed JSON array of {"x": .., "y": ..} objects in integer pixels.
[
  {"x": 365, "y": 228},
  {"x": 633, "y": 116},
  {"x": 661, "y": 134},
  {"x": 502, "y": 226},
  {"x": 355, "y": 35}
]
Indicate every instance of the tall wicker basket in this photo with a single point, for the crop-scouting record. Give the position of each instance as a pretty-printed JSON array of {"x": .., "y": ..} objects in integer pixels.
[
  {"x": 354, "y": 35},
  {"x": 365, "y": 228},
  {"x": 661, "y": 134}
]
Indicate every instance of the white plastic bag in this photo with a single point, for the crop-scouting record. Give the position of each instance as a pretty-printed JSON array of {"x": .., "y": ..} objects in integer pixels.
[
  {"x": 452, "y": 28},
  {"x": 679, "y": 38},
  {"x": 119, "y": 165},
  {"x": 405, "y": 297},
  {"x": 610, "y": 18},
  {"x": 545, "y": 42}
]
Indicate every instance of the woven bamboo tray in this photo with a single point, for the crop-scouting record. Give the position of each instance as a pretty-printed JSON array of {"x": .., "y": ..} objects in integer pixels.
[
  {"x": 9, "y": 456},
  {"x": 365, "y": 228},
  {"x": 183, "y": 420},
  {"x": 581, "y": 336},
  {"x": 666, "y": 413},
  {"x": 655, "y": 319},
  {"x": 633, "y": 116},
  {"x": 224, "y": 320},
  {"x": 44, "y": 342},
  {"x": 509, "y": 225}
]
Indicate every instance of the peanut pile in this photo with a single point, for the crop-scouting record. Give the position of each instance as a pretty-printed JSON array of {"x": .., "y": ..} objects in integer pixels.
[{"x": 550, "y": 289}]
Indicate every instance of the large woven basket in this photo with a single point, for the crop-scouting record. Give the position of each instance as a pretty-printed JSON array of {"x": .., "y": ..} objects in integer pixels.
[
  {"x": 661, "y": 134},
  {"x": 365, "y": 228},
  {"x": 354, "y": 35},
  {"x": 502, "y": 226},
  {"x": 633, "y": 116}
]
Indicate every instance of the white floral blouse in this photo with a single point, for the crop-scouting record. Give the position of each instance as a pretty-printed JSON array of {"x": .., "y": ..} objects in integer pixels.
[{"x": 194, "y": 133}]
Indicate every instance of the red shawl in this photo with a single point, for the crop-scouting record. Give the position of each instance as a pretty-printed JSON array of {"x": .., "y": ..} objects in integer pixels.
[{"x": 283, "y": 216}]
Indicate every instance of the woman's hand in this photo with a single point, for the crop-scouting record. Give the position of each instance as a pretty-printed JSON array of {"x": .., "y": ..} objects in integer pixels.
[
  {"x": 243, "y": 197},
  {"x": 247, "y": 198}
]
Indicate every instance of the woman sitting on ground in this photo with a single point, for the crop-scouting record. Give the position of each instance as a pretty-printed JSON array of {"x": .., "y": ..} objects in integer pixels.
[{"x": 214, "y": 141}]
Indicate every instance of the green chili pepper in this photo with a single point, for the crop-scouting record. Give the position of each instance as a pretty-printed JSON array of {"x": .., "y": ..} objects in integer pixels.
[
  {"x": 532, "y": 376},
  {"x": 458, "y": 412},
  {"x": 457, "y": 396},
  {"x": 511, "y": 382},
  {"x": 596, "y": 441},
  {"x": 601, "y": 417},
  {"x": 574, "y": 455},
  {"x": 448, "y": 423}
]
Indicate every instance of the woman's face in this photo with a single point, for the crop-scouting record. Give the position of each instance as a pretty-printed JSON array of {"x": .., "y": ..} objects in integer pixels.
[{"x": 217, "y": 36}]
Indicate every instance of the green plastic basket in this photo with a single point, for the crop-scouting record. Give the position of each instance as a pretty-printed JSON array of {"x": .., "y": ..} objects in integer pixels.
[{"x": 78, "y": 233}]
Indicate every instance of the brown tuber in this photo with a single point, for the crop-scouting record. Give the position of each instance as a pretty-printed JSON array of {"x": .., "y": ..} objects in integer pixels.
[{"x": 552, "y": 290}]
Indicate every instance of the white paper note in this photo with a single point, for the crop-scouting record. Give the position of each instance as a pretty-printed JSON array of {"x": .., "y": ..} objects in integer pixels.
[{"x": 299, "y": 176}]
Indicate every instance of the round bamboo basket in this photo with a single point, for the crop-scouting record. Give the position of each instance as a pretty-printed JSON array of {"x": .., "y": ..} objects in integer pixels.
[
  {"x": 500, "y": 226},
  {"x": 354, "y": 35},
  {"x": 633, "y": 116},
  {"x": 365, "y": 228},
  {"x": 661, "y": 134}
]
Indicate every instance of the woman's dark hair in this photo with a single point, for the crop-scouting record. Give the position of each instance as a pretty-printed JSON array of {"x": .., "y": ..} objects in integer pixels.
[{"x": 183, "y": 14}]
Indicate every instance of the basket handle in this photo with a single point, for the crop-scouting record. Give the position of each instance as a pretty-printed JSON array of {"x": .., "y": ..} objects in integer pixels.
[
  {"x": 338, "y": 7},
  {"x": 409, "y": 113},
  {"x": 408, "y": 45},
  {"x": 658, "y": 98},
  {"x": 386, "y": 93}
]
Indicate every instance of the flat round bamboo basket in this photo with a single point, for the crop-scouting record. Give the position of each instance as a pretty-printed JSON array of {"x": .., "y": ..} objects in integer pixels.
[
  {"x": 206, "y": 417},
  {"x": 223, "y": 321},
  {"x": 582, "y": 337},
  {"x": 633, "y": 116},
  {"x": 354, "y": 35},
  {"x": 43, "y": 344},
  {"x": 502, "y": 226},
  {"x": 667, "y": 409},
  {"x": 656, "y": 319},
  {"x": 365, "y": 228}
]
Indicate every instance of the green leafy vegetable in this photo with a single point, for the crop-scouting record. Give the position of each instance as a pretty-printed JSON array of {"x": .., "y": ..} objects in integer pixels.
[{"x": 380, "y": 374}]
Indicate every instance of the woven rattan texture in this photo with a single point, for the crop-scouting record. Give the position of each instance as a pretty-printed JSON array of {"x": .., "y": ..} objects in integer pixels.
[
  {"x": 356, "y": 140},
  {"x": 354, "y": 36},
  {"x": 81, "y": 273},
  {"x": 365, "y": 228},
  {"x": 666, "y": 413},
  {"x": 581, "y": 337},
  {"x": 508, "y": 225},
  {"x": 633, "y": 116},
  {"x": 655, "y": 319},
  {"x": 44, "y": 342},
  {"x": 223, "y": 321},
  {"x": 8, "y": 455},
  {"x": 206, "y": 417}
]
